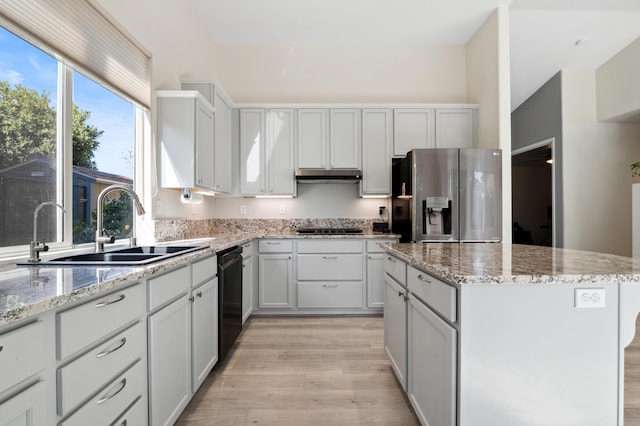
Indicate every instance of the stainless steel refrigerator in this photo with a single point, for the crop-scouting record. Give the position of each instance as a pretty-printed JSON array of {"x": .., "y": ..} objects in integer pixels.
[{"x": 448, "y": 195}]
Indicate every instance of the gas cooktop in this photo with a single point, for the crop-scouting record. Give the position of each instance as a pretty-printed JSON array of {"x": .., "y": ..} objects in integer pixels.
[{"x": 334, "y": 231}]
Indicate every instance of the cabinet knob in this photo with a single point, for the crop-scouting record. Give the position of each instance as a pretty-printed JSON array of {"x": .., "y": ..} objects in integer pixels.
[
  {"x": 1, "y": 348},
  {"x": 191, "y": 299},
  {"x": 199, "y": 294}
]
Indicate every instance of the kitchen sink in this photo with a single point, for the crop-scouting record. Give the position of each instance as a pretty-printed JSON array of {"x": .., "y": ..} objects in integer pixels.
[{"x": 131, "y": 256}]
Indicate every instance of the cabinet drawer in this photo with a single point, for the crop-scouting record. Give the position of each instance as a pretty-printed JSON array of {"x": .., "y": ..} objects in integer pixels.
[
  {"x": 83, "y": 325},
  {"x": 135, "y": 415},
  {"x": 168, "y": 286},
  {"x": 21, "y": 354},
  {"x": 275, "y": 246},
  {"x": 436, "y": 293},
  {"x": 373, "y": 246},
  {"x": 111, "y": 402},
  {"x": 330, "y": 246},
  {"x": 396, "y": 268},
  {"x": 95, "y": 368},
  {"x": 247, "y": 250},
  {"x": 330, "y": 295},
  {"x": 316, "y": 267},
  {"x": 205, "y": 269}
]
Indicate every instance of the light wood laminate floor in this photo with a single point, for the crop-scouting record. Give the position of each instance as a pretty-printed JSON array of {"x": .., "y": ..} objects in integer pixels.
[
  {"x": 324, "y": 371},
  {"x": 303, "y": 371}
]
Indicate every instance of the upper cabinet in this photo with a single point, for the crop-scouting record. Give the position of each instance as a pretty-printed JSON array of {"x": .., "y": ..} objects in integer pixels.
[
  {"x": 413, "y": 128},
  {"x": 185, "y": 133},
  {"x": 221, "y": 164},
  {"x": 433, "y": 128},
  {"x": 267, "y": 151},
  {"x": 377, "y": 138},
  {"x": 328, "y": 138},
  {"x": 455, "y": 128}
]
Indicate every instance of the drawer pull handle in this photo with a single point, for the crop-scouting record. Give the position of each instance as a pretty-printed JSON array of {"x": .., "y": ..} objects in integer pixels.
[
  {"x": 191, "y": 299},
  {"x": 330, "y": 257},
  {"x": 111, "y": 350},
  {"x": 110, "y": 302},
  {"x": 330, "y": 285},
  {"x": 199, "y": 294},
  {"x": 272, "y": 243},
  {"x": 391, "y": 259},
  {"x": 124, "y": 422},
  {"x": 400, "y": 293},
  {"x": 1, "y": 348},
  {"x": 112, "y": 393},
  {"x": 421, "y": 278}
]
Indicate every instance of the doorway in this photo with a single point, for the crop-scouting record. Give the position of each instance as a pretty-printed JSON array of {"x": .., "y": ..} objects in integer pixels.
[{"x": 532, "y": 174}]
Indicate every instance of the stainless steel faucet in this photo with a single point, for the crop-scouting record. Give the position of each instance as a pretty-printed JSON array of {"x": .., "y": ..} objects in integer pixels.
[
  {"x": 35, "y": 247},
  {"x": 101, "y": 234}
]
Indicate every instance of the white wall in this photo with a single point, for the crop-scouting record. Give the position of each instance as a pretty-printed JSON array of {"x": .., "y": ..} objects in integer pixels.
[
  {"x": 618, "y": 85},
  {"x": 325, "y": 73},
  {"x": 488, "y": 84},
  {"x": 597, "y": 179}
]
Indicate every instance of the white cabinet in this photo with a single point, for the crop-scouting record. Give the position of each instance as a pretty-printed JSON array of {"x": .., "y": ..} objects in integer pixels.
[
  {"x": 344, "y": 137},
  {"x": 169, "y": 361},
  {"x": 205, "y": 330},
  {"x": 28, "y": 408},
  {"x": 312, "y": 138},
  {"x": 185, "y": 135},
  {"x": 329, "y": 138},
  {"x": 413, "y": 128},
  {"x": 377, "y": 137},
  {"x": 455, "y": 127},
  {"x": 222, "y": 157},
  {"x": 21, "y": 354},
  {"x": 247, "y": 280},
  {"x": 267, "y": 152},
  {"x": 375, "y": 273},
  {"x": 276, "y": 274},
  {"x": 431, "y": 366},
  {"x": 395, "y": 327}
]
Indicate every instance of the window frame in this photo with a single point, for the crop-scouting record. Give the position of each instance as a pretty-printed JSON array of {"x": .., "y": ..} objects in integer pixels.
[{"x": 64, "y": 157}]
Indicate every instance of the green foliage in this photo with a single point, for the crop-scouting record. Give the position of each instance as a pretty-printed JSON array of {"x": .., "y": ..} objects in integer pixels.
[
  {"x": 27, "y": 125},
  {"x": 118, "y": 220},
  {"x": 85, "y": 138},
  {"x": 635, "y": 169}
]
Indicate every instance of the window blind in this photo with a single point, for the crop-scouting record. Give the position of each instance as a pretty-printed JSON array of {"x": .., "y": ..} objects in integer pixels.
[{"x": 79, "y": 33}]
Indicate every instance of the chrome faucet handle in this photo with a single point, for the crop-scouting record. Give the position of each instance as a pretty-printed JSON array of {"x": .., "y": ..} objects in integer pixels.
[{"x": 35, "y": 247}]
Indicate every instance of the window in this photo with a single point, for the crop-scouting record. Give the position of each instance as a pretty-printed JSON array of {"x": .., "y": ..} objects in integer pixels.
[{"x": 33, "y": 165}]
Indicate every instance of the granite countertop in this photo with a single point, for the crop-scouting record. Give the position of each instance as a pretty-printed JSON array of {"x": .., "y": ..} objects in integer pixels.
[
  {"x": 28, "y": 291},
  {"x": 487, "y": 263}
]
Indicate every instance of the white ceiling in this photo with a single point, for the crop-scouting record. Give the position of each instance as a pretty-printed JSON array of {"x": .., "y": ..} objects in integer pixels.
[{"x": 543, "y": 32}]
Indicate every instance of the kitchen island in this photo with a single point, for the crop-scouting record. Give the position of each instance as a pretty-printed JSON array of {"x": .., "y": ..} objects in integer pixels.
[{"x": 507, "y": 334}]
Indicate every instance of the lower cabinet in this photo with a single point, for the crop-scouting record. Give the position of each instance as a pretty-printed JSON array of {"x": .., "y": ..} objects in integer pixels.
[
  {"x": 395, "y": 328},
  {"x": 28, "y": 408},
  {"x": 431, "y": 366},
  {"x": 169, "y": 361},
  {"x": 276, "y": 281},
  {"x": 375, "y": 273},
  {"x": 205, "y": 327},
  {"x": 248, "y": 267}
]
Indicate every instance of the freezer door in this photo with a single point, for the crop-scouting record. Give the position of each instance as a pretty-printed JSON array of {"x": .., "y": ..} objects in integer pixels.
[
  {"x": 480, "y": 195},
  {"x": 435, "y": 195}
]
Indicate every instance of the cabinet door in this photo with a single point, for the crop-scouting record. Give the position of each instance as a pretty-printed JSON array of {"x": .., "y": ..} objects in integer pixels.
[
  {"x": 395, "y": 328},
  {"x": 276, "y": 281},
  {"x": 431, "y": 366},
  {"x": 279, "y": 155},
  {"x": 312, "y": 138},
  {"x": 455, "y": 128},
  {"x": 247, "y": 288},
  {"x": 28, "y": 408},
  {"x": 344, "y": 150},
  {"x": 377, "y": 134},
  {"x": 375, "y": 280},
  {"x": 205, "y": 331},
  {"x": 222, "y": 171},
  {"x": 204, "y": 146},
  {"x": 252, "y": 150},
  {"x": 412, "y": 128},
  {"x": 169, "y": 362}
]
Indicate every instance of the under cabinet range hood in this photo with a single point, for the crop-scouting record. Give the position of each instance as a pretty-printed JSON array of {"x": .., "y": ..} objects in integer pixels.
[{"x": 328, "y": 175}]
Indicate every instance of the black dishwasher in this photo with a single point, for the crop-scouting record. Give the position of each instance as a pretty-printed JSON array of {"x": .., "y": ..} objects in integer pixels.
[{"x": 229, "y": 299}]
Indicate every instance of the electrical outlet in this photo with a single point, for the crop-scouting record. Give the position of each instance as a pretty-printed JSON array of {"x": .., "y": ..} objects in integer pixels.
[
  {"x": 589, "y": 298},
  {"x": 381, "y": 209},
  {"x": 282, "y": 209},
  {"x": 243, "y": 209}
]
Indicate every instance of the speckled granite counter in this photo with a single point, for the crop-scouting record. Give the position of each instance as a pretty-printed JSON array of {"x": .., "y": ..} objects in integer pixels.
[
  {"x": 477, "y": 263},
  {"x": 28, "y": 291}
]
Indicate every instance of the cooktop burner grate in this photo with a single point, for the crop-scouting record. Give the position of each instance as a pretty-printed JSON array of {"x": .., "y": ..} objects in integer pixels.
[{"x": 335, "y": 231}]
